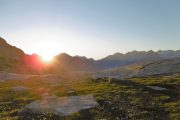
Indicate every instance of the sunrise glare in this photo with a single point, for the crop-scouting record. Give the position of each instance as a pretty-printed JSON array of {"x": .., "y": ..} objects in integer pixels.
[{"x": 47, "y": 58}]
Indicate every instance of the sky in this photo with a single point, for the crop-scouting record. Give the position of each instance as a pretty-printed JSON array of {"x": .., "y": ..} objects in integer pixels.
[{"x": 91, "y": 28}]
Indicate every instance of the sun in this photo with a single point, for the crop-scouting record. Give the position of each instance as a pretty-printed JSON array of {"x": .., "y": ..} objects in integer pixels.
[
  {"x": 47, "y": 55},
  {"x": 47, "y": 58}
]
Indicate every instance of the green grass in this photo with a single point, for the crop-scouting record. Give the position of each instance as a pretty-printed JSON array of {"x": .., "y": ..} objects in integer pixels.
[
  {"x": 116, "y": 100},
  {"x": 168, "y": 101}
]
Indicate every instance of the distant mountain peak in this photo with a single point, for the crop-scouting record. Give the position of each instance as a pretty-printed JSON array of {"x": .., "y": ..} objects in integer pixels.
[
  {"x": 118, "y": 53},
  {"x": 64, "y": 54}
]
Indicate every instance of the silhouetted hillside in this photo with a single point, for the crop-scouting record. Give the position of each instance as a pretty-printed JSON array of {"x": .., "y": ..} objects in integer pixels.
[
  {"x": 66, "y": 62},
  {"x": 9, "y": 55},
  {"x": 14, "y": 59},
  {"x": 8, "y": 51}
]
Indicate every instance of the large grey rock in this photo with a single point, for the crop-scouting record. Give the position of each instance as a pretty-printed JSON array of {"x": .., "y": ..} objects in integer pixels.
[{"x": 62, "y": 106}]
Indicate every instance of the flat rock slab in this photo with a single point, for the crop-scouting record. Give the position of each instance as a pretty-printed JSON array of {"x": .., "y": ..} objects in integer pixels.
[
  {"x": 62, "y": 106},
  {"x": 14, "y": 76},
  {"x": 19, "y": 88},
  {"x": 157, "y": 88}
]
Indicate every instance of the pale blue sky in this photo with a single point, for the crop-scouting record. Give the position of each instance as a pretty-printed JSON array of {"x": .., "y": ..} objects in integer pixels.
[{"x": 92, "y": 28}]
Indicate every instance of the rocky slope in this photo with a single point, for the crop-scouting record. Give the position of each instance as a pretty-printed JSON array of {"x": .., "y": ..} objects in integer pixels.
[
  {"x": 161, "y": 67},
  {"x": 169, "y": 66},
  {"x": 168, "y": 54}
]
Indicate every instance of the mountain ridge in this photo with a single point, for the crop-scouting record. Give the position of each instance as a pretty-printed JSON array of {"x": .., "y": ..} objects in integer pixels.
[{"x": 66, "y": 62}]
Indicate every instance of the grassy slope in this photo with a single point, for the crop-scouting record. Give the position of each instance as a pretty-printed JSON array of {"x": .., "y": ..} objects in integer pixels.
[{"x": 116, "y": 100}]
